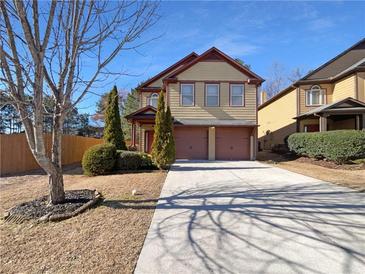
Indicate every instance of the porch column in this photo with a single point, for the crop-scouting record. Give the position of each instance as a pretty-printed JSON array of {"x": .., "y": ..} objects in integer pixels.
[
  {"x": 357, "y": 122},
  {"x": 363, "y": 121},
  {"x": 211, "y": 143},
  {"x": 133, "y": 134},
  {"x": 322, "y": 123}
]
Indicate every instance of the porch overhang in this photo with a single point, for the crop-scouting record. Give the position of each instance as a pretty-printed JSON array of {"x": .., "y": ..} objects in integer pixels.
[
  {"x": 348, "y": 106},
  {"x": 143, "y": 115}
]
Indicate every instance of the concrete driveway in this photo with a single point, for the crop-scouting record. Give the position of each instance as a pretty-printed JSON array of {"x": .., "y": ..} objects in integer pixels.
[{"x": 247, "y": 217}]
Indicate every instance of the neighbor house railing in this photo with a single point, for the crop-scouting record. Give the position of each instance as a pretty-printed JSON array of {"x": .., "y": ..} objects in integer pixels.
[{"x": 15, "y": 155}]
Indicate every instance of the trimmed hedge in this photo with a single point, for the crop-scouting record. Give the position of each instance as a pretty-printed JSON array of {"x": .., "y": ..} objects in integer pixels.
[
  {"x": 339, "y": 146},
  {"x": 131, "y": 160},
  {"x": 99, "y": 159}
]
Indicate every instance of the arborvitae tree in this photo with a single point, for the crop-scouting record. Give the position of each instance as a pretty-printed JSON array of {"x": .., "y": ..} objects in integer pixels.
[
  {"x": 170, "y": 145},
  {"x": 113, "y": 132},
  {"x": 163, "y": 146},
  {"x": 159, "y": 138}
]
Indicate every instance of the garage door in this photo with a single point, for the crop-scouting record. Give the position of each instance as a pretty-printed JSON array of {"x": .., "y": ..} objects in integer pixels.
[
  {"x": 191, "y": 143},
  {"x": 232, "y": 143}
]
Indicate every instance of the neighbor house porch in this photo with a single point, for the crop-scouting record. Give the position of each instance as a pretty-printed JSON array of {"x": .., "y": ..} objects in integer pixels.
[{"x": 345, "y": 114}]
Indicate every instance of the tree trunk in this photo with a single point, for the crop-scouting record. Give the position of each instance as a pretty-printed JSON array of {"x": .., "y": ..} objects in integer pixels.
[{"x": 56, "y": 189}]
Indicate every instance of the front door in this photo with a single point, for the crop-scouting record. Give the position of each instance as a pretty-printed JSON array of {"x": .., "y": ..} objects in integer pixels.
[{"x": 148, "y": 140}]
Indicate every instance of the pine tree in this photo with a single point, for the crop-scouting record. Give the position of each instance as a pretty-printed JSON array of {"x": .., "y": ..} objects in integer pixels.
[{"x": 113, "y": 129}]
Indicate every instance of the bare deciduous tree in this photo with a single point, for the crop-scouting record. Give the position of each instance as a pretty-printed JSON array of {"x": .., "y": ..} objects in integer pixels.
[
  {"x": 62, "y": 49},
  {"x": 279, "y": 78}
]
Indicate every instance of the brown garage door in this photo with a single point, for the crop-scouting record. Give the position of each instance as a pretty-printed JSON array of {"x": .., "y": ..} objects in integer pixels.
[
  {"x": 232, "y": 143},
  {"x": 191, "y": 143}
]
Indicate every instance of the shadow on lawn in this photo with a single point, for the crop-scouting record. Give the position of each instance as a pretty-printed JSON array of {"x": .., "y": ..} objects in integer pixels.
[{"x": 258, "y": 225}]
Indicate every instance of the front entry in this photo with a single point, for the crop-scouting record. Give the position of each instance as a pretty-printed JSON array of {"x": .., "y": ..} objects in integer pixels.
[{"x": 149, "y": 134}]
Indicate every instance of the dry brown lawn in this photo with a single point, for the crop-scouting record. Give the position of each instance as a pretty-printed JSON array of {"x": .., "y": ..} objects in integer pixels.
[
  {"x": 105, "y": 239},
  {"x": 347, "y": 175}
]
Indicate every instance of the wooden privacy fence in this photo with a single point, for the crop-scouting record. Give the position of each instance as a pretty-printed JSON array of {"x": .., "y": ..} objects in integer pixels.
[{"x": 15, "y": 155}]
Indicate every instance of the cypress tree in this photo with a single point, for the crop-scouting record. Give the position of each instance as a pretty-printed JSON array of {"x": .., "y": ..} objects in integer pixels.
[
  {"x": 113, "y": 132},
  {"x": 170, "y": 145},
  {"x": 159, "y": 138}
]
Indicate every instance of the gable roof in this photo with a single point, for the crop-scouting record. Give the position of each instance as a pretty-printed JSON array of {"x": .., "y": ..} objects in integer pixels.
[
  {"x": 339, "y": 63},
  {"x": 188, "y": 58},
  {"x": 215, "y": 54},
  {"x": 346, "y": 103},
  {"x": 142, "y": 112}
]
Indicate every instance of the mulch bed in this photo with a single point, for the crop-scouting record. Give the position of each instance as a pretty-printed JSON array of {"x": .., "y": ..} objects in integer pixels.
[
  {"x": 332, "y": 165},
  {"x": 39, "y": 209}
]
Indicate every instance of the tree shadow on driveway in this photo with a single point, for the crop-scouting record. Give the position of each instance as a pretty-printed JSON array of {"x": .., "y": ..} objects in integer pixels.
[{"x": 302, "y": 228}]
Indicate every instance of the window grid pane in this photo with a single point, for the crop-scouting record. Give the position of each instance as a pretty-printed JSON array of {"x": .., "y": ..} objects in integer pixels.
[
  {"x": 237, "y": 101},
  {"x": 212, "y": 101}
]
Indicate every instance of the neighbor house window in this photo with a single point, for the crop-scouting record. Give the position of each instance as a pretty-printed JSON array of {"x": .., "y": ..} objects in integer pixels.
[
  {"x": 187, "y": 94},
  {"x": 237, "y": 94},
  {"x": 212, "y": 95},
  {"x": 315, "y": 96},
  {"x": 153, "y": 100}
]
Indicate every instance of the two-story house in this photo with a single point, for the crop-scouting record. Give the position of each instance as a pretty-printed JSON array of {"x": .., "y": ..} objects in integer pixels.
[
  {"x": 329, "y": 98},
  {"x": 213, "y": 100}
]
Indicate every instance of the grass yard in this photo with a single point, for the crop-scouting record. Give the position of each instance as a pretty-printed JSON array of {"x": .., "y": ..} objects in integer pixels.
[
  {"x": 105, "y": 239},
  {"x": 345, "y": 175}
]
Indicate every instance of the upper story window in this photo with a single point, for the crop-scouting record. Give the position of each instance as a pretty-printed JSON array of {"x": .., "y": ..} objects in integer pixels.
[
  {"x": 237, "y": 95},
  {"x": 212, "y": 95},
  {"x": 315, "y": 96},
  {"x": 187, "y": 94},
  {"x": 153, "y": 100}
]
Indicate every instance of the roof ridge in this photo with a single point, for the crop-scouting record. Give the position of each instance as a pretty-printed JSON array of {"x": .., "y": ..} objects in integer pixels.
[{"x": 201, "y": 56}]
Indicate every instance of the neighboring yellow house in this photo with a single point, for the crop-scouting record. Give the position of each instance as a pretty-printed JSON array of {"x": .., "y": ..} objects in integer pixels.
[
  {"x": 329, "y": 98},
  {"x": 213, "y": 100}
]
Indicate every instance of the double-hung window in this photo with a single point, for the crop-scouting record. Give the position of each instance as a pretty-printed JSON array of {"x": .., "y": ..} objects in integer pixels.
[
  {"x": 212, "y": 95},
  {"x": 187, "y": 94},
  {"x": 315, "y": 96},
  {"x": 237, "y": 95}
]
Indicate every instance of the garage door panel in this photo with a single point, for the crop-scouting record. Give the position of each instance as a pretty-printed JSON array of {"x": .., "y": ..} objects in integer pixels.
[
  {"x": 191, "y": 143},
  {"x": 233, "y": 143}
]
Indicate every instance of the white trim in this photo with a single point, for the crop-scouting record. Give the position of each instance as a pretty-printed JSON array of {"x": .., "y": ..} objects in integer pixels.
[
  {"x": 243, "y": 94},
  {"x": 309, "y": 96},
  {"x": 206, "y": 94},
  {"x": 150, "y": 97},
  {"x": 181, "y": 94}
]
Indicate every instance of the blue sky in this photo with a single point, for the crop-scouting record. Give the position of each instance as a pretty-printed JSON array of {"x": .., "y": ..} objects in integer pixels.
[{"x": 295, "y": 34}]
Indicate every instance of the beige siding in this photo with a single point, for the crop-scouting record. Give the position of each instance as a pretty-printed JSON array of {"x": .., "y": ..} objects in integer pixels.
[
  {"x": 144, "y": 96},
  {"x": 344, "y": 88},
  {"x": 361, "y": 86},
  {"x": 212, "y": 71},
  {"x": 224, "y": 111},
  {"x": 303, "y": 108},
  {"x": 158, "y": 82},
  {"x": 276, "y": 120}
]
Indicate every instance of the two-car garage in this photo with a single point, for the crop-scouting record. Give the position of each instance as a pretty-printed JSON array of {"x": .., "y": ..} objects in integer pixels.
[{"x": 219, "y": 143}]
